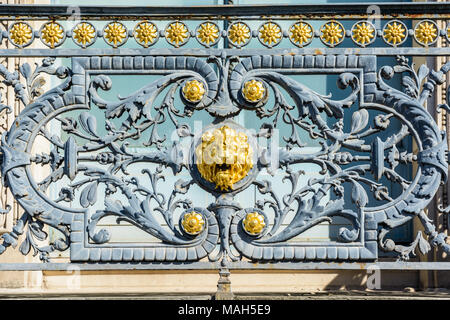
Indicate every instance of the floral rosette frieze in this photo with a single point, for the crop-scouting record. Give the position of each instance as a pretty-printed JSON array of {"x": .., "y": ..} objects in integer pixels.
[{"x": 238, "y": 34}]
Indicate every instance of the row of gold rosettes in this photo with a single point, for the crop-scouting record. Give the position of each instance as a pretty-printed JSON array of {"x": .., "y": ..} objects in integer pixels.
[{"x": 239, "y": 34}]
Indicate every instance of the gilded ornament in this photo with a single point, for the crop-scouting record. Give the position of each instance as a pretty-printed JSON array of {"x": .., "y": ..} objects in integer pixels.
[
  {"x": 447, "y": 33},
  {"x": 254, "y": 223},
  {"x": 301, "y": 33},
  {"x": 115, "y": 34},
  {"x": 177, "y": 33},
  {"x": 52, "y": 34},
  {"x": 363, "y": 33},
  {"x": 224, "y": 157},
  {"x": 270, "y": 34},
  {"x": 193, "y": 223},
  {"x": 332, "y": 33},
  {"x": 193, "y": 91},
  {"x": 83, "y": 34},
  {"x": 20, "y": 34},
  {"x": 239, "y": 34},
  {"x": 394, "y": 33},
  {"x": 146, "y": 33},
  {"x": 208, "y": 33},
  {"x": 253, "y": 91},
  {"x": 426, "y": 32}
]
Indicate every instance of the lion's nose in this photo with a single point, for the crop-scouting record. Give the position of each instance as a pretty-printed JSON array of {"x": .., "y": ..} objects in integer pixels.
[{"x": 224, "y": 166}]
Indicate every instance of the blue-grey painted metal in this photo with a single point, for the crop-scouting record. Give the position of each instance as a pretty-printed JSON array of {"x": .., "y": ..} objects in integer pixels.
[
  {"x": 354, "y": 160},
  {"x": 202, "y": 52},
  {"x": 223, "y": 99}
]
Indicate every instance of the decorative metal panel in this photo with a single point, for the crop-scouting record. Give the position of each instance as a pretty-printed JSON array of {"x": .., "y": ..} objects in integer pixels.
[{"x": 387, "y": 133}]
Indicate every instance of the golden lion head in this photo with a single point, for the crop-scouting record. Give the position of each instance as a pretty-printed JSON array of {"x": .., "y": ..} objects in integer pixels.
[{"x": 224, "y": 157}]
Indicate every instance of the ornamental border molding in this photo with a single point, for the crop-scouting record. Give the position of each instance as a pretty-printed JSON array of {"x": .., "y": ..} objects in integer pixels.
[{"x": 223, "y": 98}]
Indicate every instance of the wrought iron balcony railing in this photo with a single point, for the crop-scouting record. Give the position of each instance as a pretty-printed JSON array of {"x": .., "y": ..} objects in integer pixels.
[{"x": 380, "y": 154}]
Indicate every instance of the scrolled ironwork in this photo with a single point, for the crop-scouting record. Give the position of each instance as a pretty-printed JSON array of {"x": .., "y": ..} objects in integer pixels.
[{"x": 115, "y": 158}]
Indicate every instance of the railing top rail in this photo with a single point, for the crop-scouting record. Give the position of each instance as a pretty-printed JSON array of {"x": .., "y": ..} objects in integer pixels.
[
  {"x": 73, "y": 52},
  {"x": 416, "y": 10}
]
